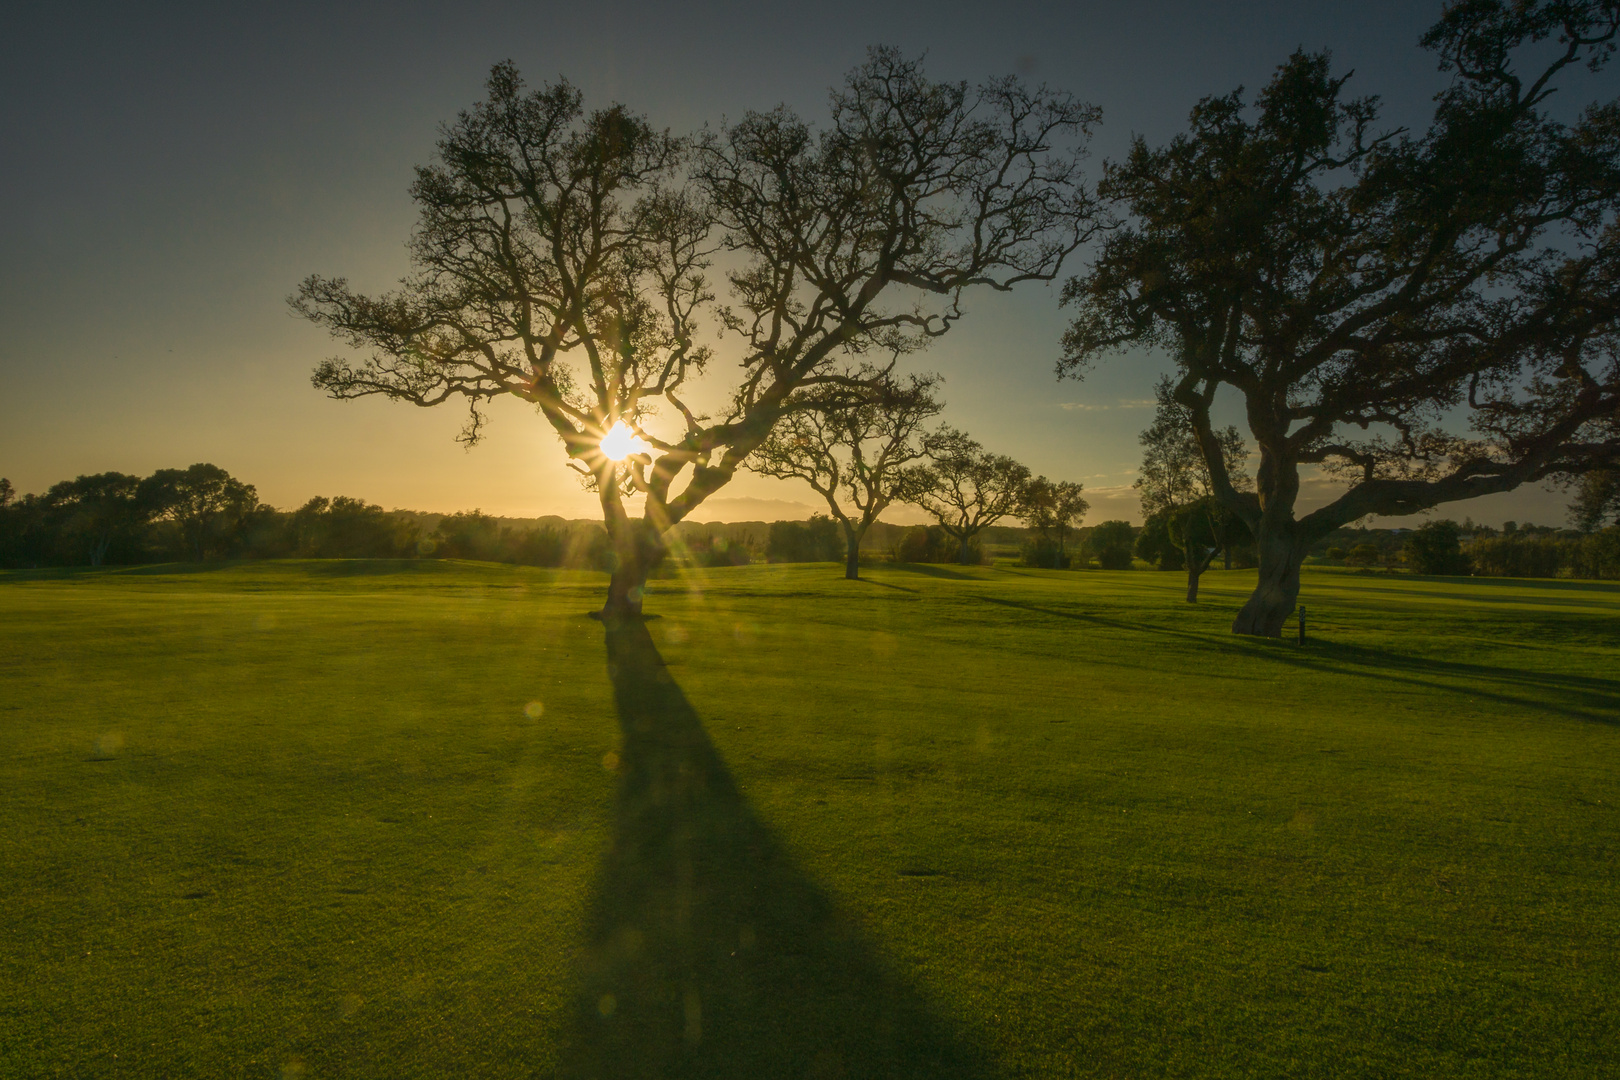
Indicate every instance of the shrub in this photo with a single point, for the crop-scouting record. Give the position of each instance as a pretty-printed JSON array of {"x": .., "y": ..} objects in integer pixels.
[
  {"x": 1043, "y": 553},
  {"x": 1110, "y": 544},
  {"x": 1436, "y": 548},
  {"x": 816, "y": 540},
  {"x": 1363, "y": 555}
]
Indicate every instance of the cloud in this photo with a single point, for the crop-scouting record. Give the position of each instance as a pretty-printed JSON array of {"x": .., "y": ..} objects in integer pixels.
[{"x": 1122, "y": 403}]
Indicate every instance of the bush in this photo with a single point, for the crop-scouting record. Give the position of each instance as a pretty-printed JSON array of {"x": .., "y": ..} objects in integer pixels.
[
  {"x": 933, "y": 545},
  {"x": 1110, "y": 544},
  {"x": 1337, "y": 553},
  {"x": 1363, "y": 555},
  {"x": 1436, "y": 548},
  {"x": 816, "y": 540},
  {"x": 1043, "y": 553}
]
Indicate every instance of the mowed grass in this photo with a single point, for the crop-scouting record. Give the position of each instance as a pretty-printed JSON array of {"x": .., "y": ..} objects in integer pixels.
[{"x": 408, "y": 820}]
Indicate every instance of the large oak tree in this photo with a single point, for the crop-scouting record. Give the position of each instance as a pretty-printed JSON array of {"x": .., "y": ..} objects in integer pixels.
[
  {"x": 561, "y": 258},
  {"x": 1369, "y": 295}
]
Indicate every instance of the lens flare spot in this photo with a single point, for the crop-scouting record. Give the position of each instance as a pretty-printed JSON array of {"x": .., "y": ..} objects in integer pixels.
[
  {"x": 109, "y": 744},
  {"x": 610, "y": 761},
  {"x": 534, "y": 710},
  {"x": 607, "y": 1005}
]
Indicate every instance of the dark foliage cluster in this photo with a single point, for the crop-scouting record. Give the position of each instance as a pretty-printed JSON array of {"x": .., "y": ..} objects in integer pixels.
[
  {"x": 202, "y": 513},
  {"x": 815, "y": 540}
]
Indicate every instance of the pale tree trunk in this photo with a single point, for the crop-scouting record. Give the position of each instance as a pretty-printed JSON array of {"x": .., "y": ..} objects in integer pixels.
[{"x": 1281, "y": 552}]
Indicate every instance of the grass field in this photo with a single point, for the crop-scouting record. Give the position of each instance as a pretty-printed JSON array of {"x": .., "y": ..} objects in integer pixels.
[{"x": 429, "y": 820}]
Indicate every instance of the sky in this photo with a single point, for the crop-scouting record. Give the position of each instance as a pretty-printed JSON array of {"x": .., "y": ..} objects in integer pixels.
[{"x": 171, "y": 172}]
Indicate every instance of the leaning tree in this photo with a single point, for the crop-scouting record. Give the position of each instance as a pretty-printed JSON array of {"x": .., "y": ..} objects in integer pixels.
[
  {"x": 561, "y": 256},
  {"x": 967, "y": 489},
  {"x": 1364, "y": 294},
  {"x": 860, "y": 452}
]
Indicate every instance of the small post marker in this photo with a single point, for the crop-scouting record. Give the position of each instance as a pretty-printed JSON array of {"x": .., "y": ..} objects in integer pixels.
[{"x": 1302, "y": 624}]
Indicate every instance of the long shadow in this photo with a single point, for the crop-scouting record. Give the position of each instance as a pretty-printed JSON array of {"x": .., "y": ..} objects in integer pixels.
[
  {"x": 1585, "y": 697},
  {"x": 932, "y": 570},
  {"x": 710, "y": 954}
]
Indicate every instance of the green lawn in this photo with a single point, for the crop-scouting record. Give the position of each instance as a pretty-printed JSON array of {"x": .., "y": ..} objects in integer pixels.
[{"x": 429, "y": 820}]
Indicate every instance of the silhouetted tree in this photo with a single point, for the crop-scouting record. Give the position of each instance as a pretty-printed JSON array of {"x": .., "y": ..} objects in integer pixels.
[
  {"x": 1435, "y": 547},
  {"x": 206, "y": 504},
  {"x": 1175, "y": 486},
  {"x": 92, "y": 513},
  {"x": 1339, "y": 279},
  {"x": 967, "y": 489},
  {"x": 1597, "y": 499},
  {"x": 548, "y": 234},
  {"x": 1110, "y": 543},
  {"x": 1053, "y": 510},
  {"x": 858, "y": 452}
]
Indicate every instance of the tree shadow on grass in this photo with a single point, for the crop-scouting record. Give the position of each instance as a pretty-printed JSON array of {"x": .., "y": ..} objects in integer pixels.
[
  {"x": 932, "y": 570},
  {"x": 1580, "y": 697},
  {"x": 709, "y": 953}
]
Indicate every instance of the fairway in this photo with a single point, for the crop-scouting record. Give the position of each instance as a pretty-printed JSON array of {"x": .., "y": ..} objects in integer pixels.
[{"x": 428, "y": 819}]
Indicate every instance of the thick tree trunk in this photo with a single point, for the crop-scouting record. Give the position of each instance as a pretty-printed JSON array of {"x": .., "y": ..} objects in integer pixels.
[
  {"x": 852, "y": 555},
  {"x": 1281, "y": 552},
  {"x": 637, "y": 548},
  {"x": 963, "y": 555}
]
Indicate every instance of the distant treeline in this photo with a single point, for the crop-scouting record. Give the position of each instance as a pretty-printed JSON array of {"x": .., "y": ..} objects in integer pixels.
[
  {"x": 203, "y": 513},
  {"x": 1447, "y": 548}
]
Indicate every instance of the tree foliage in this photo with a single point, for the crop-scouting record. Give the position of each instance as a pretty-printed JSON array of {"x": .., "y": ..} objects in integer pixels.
[
  {"x": 859, "y": 451},
  {"x": 1344, "y": 280},
  {"x": 967, "y": 489},
  {"x": 561, "y": 258}
]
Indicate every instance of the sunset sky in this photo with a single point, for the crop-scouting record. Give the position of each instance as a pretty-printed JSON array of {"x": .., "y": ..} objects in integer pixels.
[{"x": 170, "y": 174}]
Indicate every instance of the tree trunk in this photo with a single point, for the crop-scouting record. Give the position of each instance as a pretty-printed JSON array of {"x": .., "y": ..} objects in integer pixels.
[
  {"x": 852, "y": 555},
  {"x": 637, "y": 548},
  {"x": 962, "y": 555},
  {"x": 1281, "y": 553},
  {"x": 1195, "y": 567}
]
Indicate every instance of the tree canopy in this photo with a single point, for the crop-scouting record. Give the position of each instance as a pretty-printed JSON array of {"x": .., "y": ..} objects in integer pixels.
[
  {"x": 967, "y": 489},
  {"x": 859, "y": 454},
  {"x": 561, "y": 258},
  {"x": 1360, "y": 289}
]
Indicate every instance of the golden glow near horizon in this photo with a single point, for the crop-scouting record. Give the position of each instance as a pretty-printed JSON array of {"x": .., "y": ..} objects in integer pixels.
[{"x": 621, "y": 441}]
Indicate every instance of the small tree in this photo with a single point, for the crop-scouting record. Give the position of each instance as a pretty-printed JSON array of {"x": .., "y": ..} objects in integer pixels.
[
  {"x": 859, "y": 454},
  {"x": 1110, "y": 543},
  {"x": 561, "y": 259},
  {"x": 1358, "y": 289},
  {"x": 1436, "y": 548},
  {"x": 206, "y": 504},
  {"x": 1175, "y": 484},
  {"x": 967, "y": 489},
  {"x": 1597, "y": 500},
  {"x": 1054, "y": 511}
]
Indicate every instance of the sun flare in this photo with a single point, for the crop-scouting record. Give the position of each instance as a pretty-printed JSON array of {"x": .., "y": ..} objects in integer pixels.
[{"x": 621, "y": 441}]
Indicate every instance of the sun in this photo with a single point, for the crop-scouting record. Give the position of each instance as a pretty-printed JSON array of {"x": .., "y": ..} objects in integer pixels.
[{"x": 621, "y": 441}]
